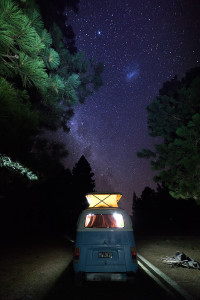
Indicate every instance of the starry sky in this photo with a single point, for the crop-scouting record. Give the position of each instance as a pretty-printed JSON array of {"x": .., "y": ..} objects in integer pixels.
[{"x": 142, "y": 44}]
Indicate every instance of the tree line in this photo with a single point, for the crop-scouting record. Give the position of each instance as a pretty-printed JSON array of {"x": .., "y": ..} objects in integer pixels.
[
  {"x": 155, "y": 211},
  {"x": 45, "y": 206}
]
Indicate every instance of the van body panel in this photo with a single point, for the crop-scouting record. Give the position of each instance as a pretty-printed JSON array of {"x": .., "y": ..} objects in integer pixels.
[{"x": 105, "y": 250}]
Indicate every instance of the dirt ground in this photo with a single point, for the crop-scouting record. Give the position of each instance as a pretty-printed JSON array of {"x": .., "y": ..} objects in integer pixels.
[
  {"x": 29, "y": 270},
  {"x": 154, "y": 248}
]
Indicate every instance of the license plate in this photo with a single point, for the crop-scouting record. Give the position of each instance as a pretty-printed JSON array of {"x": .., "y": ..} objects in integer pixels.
[{"x": 105, "y": 254}]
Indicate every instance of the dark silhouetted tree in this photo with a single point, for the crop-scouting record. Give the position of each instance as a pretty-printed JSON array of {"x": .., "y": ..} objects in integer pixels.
[
  {"x": 158, "y": 211},
  {"x": 83, "y": 183},
  {"x": 83, "y": 180},
  {"x": 175, "y": 117},
  {"x": 144, "y": 209}
]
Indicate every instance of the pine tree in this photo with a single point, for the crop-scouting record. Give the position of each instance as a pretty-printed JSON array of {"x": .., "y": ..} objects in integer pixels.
[
  {"x": 28, "y": 60},
  {"x": 83, "y": 176},
  {"x": 30, "y": 63},
  {"x": 34, "y": 60},
  {"x": 83, "y": 183},
  {"x": 40, "y": 81},
  {"x": 175, "y": 117},
  {"x": 18, "y": 57}
]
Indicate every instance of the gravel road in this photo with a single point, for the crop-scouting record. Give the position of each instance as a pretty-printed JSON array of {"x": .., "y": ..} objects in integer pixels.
[{"x": 33, "y": 270}]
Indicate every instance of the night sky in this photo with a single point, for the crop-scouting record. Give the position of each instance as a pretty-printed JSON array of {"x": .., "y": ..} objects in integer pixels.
[{"x": 142, "y": 44}]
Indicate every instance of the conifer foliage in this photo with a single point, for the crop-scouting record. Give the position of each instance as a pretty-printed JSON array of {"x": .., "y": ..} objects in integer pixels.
[
  {"x": 21, "y": 45},
  {"x": 40, "y": 80},
  {"x": 175, "y": 117},
  {"x": 28, "y": 60}
]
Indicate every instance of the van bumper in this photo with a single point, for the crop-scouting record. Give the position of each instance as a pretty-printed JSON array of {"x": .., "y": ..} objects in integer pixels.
[{"x": 122, "y": 277}]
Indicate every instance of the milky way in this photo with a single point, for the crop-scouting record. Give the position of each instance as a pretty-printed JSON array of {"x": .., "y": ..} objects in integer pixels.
[{"x": 142, "y": 44}]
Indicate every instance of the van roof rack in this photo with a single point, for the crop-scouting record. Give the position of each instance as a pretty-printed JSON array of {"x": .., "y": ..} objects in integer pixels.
[{"x": 96, "y": 200}]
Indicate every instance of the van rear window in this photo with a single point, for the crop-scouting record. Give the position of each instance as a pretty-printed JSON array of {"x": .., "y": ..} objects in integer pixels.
[{"x": 104, "y": 221}]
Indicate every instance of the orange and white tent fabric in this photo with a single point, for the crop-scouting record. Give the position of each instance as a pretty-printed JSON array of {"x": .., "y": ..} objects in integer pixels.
[{"x": 103, "y": 200}]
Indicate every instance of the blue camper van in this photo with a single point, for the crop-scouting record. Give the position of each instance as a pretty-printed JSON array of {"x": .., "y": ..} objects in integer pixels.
[{"x": 104, "y": 246}]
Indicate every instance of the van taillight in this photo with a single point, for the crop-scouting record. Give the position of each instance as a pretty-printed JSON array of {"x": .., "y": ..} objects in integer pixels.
[
  {"x": 133, "y": 253},
  {"x": 77, "y": 253}
]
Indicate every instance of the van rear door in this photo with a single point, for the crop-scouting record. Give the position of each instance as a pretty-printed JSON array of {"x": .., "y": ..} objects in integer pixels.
[{"x": 104, "y": 243}]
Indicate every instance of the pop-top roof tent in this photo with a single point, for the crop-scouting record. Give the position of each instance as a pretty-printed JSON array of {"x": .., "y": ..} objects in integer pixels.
[{"x": 103, "y": 200}]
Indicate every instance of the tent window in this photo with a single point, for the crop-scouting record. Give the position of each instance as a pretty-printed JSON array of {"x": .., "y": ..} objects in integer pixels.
[{"x": 104, "y": 221}]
